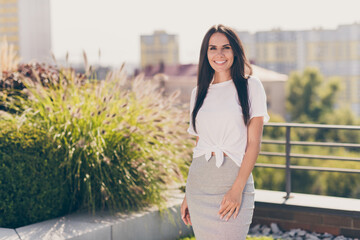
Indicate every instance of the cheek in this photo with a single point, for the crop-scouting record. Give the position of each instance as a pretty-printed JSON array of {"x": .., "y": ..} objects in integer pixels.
[
  {"x": 231, "y": 58},
  {"x": 230, "y": 55},
  {"x": 210, "y": 55},
  {"x": 209, "y": 60}
]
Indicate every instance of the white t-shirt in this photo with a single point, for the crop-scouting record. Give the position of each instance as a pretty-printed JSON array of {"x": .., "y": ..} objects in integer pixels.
[{"x": 220, "y": 123}]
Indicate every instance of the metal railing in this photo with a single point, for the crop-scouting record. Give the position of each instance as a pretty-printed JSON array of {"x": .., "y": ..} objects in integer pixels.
[{"x": 288, "y": 155}]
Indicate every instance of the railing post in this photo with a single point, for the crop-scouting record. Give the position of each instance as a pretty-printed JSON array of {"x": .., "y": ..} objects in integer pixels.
[{"x": 288, "y": 170}]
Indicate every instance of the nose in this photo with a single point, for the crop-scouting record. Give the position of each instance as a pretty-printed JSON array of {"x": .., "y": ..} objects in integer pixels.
[{"x": 220, "y": 52}]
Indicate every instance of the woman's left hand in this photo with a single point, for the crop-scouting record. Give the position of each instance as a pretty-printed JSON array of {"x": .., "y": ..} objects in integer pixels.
[{"x": 231, "y": 203}]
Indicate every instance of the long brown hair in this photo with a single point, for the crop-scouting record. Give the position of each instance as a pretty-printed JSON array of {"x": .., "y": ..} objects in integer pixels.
[{"x": 238, "y": 69}]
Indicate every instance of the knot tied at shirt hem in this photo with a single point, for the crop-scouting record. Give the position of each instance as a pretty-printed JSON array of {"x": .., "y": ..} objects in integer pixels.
[{"x": 219, "y": 155}]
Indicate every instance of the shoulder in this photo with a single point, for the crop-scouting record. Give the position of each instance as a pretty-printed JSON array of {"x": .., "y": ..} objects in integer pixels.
[
  {"x": 253, "y": 80},
  {"x": 193, "y": 95},
  {"x": 193, "y": 91},
  {"x": 254, "y": 83}
]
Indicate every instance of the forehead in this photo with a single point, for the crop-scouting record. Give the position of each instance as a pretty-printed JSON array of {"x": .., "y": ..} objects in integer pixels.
[{"x": 218, "y": 39}]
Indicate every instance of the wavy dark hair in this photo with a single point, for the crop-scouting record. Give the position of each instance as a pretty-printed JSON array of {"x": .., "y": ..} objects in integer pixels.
[{"x": 238, "y": 69}]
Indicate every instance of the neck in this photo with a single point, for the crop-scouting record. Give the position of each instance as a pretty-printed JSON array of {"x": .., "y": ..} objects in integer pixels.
[{"x": 221, "y": 77}]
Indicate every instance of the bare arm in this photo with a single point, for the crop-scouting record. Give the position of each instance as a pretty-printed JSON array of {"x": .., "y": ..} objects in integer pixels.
[
  {"x": 255, "y": 130},
  {"x": 232, "y": 199}
]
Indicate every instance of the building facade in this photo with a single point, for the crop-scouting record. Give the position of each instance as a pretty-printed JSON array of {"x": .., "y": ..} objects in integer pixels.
[
  {"x": 334, "y": 52},
  {"x": 26, "y": 25},
  {"x": 159, "y": 48}
]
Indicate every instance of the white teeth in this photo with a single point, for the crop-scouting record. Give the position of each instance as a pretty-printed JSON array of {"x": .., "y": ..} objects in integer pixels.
[{"x": 220, "y": 62}]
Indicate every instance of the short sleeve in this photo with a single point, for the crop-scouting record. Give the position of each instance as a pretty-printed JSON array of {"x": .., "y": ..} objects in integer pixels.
[
  {"x": 257, "y": 98},
  {"x": 192, "y": 103}
]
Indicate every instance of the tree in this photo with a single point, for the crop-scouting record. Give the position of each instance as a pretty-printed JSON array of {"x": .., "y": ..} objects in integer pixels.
[{"x": 309, "y": 97}]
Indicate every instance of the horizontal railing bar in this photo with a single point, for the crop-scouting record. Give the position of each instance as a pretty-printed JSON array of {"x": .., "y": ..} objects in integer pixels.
[
  {"x": 273, "y": 141},
  {"x": 308, "y": 156},
  {"x": 304, "y": 125},
  {"x": 323, "y": 144},
  {"x": 273, "y": 154},
  {"x": 308, "y": 168},
  {"x": 324, "y": 157},
  {"x": 326, "y": 169},
  {"x": 270, "y": 165}
]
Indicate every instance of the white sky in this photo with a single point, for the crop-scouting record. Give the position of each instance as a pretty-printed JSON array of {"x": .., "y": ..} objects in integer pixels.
[{"x": 115, "y": 26}]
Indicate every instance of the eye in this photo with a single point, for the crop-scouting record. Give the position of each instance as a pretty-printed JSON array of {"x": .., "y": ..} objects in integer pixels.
[
  {"x": 212, "y": 48},
  {"x": 227, "y": 47}
]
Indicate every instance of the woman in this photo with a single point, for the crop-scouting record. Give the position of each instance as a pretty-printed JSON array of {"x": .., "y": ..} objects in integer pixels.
[{"x": 227, "y": 113}]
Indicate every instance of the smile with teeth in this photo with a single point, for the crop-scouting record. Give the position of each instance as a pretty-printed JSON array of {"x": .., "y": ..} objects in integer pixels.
[{"x": 220, "y": 62}]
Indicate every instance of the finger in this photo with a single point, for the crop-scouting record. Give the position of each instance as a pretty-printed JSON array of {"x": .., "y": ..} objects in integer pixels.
[
  {"x": 188, "y": 219},
  {"x": 237, "y": 211},
  {"x": 226, "y": 211},
  {"x": 229, "y": 207},
  {"x": 223, "y": 207},
  {"x": 187, "y": 216},
  {"x": 221, "y": 204},
  {"x": 184, "y": 220},
  {"x": 230, "y": 213},
  {"x": 182, "y": 210}
]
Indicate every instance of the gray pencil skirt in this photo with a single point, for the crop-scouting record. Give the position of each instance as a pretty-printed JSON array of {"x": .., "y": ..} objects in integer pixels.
[{"x": 205, "y": 188}]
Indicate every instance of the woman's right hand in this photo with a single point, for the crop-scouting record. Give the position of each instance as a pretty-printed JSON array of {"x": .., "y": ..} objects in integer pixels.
[{"x": 185, "y": 215}]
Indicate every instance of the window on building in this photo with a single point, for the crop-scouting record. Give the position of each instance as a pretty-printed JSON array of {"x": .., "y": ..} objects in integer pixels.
[
  {"x": 280, "y": 52},
  {"x": 164, "y": 38},
  {"x": 148, "y": 40}
]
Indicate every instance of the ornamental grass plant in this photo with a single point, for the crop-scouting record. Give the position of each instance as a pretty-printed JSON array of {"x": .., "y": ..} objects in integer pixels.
[{"x": 121, "y": 141}]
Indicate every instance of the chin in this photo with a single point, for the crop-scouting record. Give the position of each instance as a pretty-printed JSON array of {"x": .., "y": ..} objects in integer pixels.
[{"x": 221, "y": 69}]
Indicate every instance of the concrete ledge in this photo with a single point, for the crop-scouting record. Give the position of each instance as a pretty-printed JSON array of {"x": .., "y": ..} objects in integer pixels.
[
  {"x": 149, "y": 224},
  {"x": 335, "y": 215},
  {"x": 338, "y": 216},
  {"x": 8, "y": 234},
  {"x": 348, "y": 206}
]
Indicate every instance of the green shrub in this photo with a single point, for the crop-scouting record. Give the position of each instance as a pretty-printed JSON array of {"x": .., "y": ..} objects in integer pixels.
[
  {"x": 31, "y": 182},
  {"x": 111, "y": 144},
  {"x": 122, "y": 141}
]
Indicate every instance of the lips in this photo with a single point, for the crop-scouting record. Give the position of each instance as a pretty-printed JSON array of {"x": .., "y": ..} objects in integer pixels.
[{"x": 220, "y": 62}]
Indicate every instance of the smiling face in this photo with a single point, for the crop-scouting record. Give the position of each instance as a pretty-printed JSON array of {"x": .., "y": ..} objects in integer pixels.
[{"x": 220, "y": 53}]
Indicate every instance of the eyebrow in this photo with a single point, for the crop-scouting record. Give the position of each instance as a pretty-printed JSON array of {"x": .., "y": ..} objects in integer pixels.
[{"x": 211, "y": 45}]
